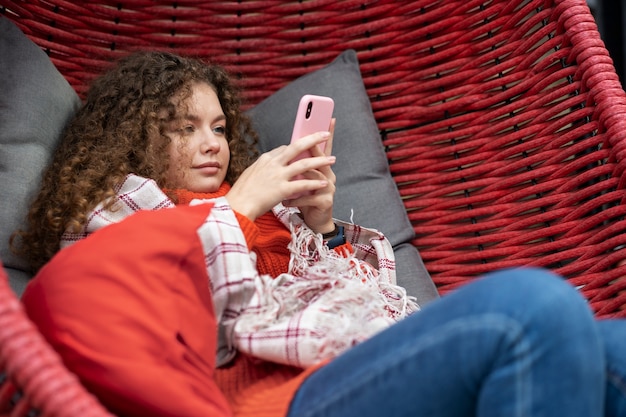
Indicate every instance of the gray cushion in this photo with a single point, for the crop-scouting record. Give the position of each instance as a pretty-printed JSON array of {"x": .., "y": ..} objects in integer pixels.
[
  {"x": 35, "y": 103},
  {"x": 366, "y": 193}
]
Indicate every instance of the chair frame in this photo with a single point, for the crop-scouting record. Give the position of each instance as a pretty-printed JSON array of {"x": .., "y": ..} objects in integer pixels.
[{"x": 504, "y": 122}]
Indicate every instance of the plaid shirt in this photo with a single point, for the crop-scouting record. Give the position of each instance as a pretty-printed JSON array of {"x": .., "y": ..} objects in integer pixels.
[{"x": 324, "y": 305}]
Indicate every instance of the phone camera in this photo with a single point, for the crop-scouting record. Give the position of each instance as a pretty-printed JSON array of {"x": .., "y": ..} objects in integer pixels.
[{"x": 308, "y": 109}]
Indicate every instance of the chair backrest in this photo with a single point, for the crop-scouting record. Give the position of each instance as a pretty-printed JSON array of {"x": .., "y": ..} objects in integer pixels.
[{"x": 503, "y": 121}]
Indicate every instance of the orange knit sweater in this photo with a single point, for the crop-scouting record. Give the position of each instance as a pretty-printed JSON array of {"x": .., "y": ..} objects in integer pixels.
[{"x": 252, "y": 387}]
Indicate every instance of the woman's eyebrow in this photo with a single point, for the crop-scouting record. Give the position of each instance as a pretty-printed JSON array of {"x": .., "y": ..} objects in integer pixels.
[{"x": 195, "y": 118}]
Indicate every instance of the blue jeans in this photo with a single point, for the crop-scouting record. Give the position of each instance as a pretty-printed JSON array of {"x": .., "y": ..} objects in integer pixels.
[{"x": 515, "y": 343}]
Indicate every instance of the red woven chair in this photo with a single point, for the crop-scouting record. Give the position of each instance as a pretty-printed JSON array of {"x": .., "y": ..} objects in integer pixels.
[
  {"x": 504, "y": 121},
  {"x": 32, "y": 376}
]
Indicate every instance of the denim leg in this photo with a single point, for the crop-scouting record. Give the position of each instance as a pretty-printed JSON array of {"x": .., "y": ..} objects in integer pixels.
[
  {"x": 613, "y": 333},
  {"x": 516, "y": 343}
]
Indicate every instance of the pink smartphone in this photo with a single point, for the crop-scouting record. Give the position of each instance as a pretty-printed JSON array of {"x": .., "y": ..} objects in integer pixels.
[{"x": 314, "y": 115}]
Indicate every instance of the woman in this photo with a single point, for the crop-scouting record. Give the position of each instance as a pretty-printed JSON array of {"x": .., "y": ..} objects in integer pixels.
[{"x": 519, "y": 342}]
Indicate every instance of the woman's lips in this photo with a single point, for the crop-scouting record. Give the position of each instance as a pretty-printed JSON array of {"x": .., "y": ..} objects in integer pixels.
[{"x": 209, "y": 168}]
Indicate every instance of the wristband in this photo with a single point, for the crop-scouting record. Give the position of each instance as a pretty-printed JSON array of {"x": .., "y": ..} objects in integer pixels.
[
  {"x": 332, "y": 234},
  {"x": 337, "y": 237}
]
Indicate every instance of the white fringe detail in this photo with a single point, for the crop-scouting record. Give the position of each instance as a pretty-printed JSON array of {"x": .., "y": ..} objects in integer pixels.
[
  {"x": 325, "y": 305},
  {"x": 311, "y": 258}
]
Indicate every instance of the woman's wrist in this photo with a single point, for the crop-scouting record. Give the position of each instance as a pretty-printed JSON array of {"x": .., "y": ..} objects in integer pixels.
[
  {"x": 328, "y": 229},
  {"x": 243, "y": 206},
  {"x": 335, "y": 238},
  {"x": 332, "y": 233}
]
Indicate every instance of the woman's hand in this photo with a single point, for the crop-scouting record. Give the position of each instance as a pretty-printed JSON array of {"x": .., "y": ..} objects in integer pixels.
[
  {"x": 317, "y": 207},
  {"x": 270, "y": 179}
]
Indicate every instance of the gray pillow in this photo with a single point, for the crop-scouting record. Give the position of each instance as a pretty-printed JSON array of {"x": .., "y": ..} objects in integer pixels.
[
  {"x": 366, "y": 193},
  {"x": 35, "y": 104}
]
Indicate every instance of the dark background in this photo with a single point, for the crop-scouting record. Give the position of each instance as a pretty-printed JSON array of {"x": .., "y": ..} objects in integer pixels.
[{"x": 610, "y": 16}]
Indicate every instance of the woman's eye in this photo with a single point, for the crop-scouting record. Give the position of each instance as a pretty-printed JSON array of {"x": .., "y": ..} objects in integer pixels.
[
  {"x": 220, "y": 130},
  {"x": 186, "y": 130}
]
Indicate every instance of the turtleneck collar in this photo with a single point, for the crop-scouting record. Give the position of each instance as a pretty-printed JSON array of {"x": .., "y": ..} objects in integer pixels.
[{"x": 185, "y": 196}]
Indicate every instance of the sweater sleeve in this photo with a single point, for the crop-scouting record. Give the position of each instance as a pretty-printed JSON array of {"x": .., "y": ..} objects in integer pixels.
[{"x": 249, "y": 229}]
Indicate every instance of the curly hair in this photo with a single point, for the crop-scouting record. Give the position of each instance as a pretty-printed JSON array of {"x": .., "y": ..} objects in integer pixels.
[{"x": 120, "y": 130}]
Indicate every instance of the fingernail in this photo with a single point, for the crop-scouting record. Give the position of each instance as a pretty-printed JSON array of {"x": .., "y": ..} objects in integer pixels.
[
  {"x": 332, "y": 159},
  {"x": 325, "y": 134}
]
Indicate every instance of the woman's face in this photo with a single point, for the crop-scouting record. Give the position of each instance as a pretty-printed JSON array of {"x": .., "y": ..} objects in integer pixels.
[{"x": 198, "y": 152}]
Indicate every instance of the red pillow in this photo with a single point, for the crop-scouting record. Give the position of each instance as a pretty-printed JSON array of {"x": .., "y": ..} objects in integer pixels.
[{"x": 129, "y": 310}]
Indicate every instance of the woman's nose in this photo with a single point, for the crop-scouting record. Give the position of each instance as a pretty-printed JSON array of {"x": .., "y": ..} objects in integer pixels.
[{"x": 209, "y": 143}]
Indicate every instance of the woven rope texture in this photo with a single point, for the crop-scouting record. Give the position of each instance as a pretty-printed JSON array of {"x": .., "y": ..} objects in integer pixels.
[
  {"x": 28, "y": 362},
  {"x": 503, "y": 121}
]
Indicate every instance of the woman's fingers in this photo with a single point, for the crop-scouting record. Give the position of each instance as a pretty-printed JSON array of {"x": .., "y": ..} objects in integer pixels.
[
  {"x": 305, "y": 146},
  {"x": 329, "y": 143},
  {"x": 302, "y": 166},
  {"x": 275, "y": 176}
]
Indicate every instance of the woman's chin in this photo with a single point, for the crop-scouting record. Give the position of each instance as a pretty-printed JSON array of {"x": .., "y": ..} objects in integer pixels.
[{"x": 206, "y": 187}]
